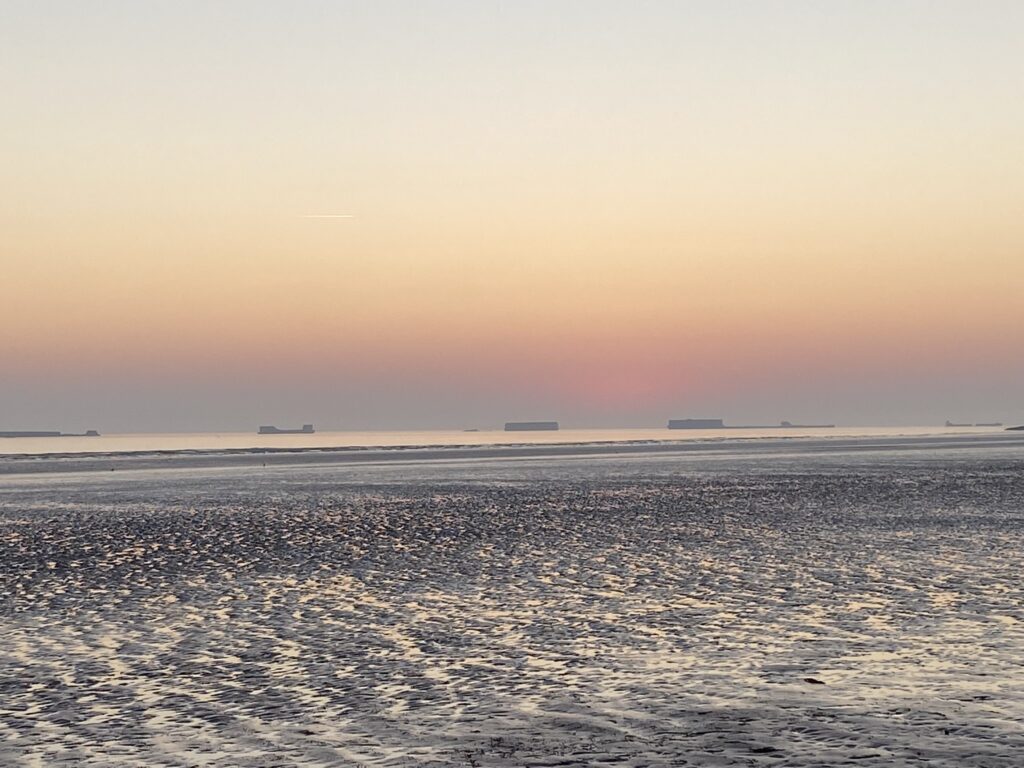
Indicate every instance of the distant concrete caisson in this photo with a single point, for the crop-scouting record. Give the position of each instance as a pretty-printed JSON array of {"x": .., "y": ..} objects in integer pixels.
[
  {"x": 531, "y": 426},
  {"x": 696, "y": 424},
  {"x": 307, "y": 429}
]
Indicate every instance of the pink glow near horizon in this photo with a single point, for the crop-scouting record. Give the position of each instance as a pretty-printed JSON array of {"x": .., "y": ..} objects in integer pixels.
[{"x": 665, "y": 209}]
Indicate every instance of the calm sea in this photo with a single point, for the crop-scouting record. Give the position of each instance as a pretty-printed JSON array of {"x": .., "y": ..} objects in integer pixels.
[{"x": 213, "y": 441}]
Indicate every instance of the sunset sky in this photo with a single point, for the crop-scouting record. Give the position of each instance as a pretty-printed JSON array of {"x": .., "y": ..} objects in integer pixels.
[{"x": 607, "y": 213}]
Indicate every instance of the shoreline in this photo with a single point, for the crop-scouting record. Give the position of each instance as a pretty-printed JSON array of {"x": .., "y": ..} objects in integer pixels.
[{"x": 61, "y": 463}]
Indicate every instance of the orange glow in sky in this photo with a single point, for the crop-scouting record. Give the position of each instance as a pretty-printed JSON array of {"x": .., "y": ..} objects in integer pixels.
[{"x": 805, "y": 211}]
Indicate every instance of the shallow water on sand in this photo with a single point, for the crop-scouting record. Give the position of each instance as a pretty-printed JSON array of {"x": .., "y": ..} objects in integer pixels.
[{"x": 630, "y": 611}]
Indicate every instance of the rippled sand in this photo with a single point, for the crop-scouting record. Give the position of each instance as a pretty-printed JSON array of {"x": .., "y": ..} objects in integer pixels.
[{"x": 858, "y": 616}]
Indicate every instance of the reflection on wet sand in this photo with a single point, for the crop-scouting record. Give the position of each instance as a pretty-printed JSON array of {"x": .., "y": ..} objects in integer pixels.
[{"x": 715, "y": 618}]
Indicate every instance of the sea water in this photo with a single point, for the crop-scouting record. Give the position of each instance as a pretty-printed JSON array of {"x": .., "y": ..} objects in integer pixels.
[{"x": 233, "y": 441}]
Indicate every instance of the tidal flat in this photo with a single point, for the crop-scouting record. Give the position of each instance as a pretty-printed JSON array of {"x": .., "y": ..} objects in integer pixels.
[{"x": 797, "y": 610}]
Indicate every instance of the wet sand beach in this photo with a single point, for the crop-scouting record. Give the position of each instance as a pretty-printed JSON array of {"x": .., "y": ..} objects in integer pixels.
[{"x": 748, "y": 608}]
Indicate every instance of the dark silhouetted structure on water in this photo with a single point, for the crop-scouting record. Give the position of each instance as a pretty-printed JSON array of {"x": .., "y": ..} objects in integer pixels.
[
  {"x": 979, "y": 424},
  {"x": 307, "y": 429},
  {"x": 719, "y": 424},
  {"x": 89, "y": 433},
  {"x": 531, "y": 426},
  {"x": 696, "y": 424}
]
